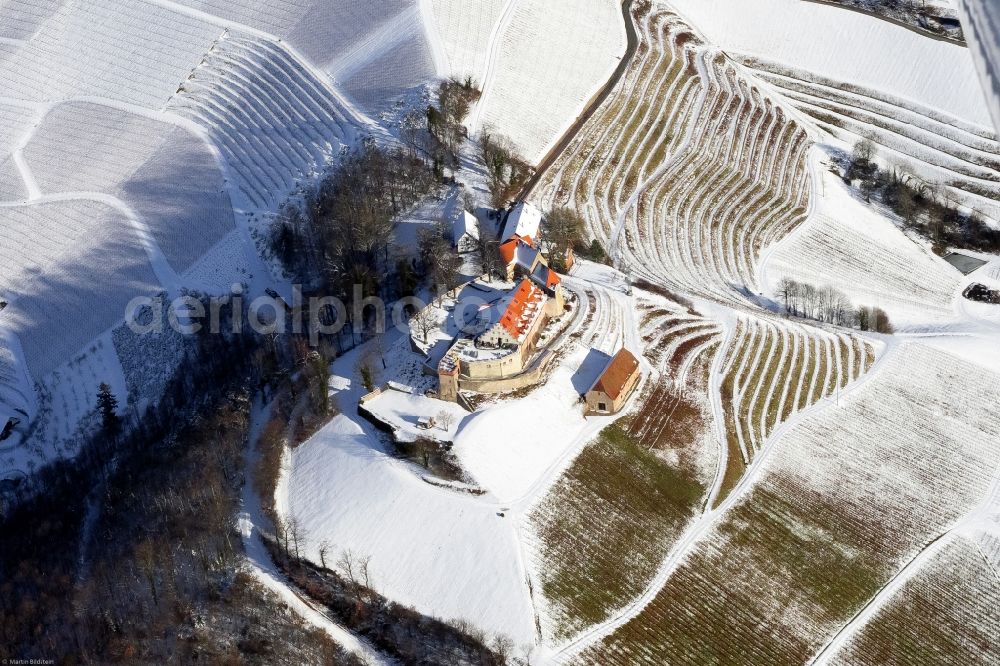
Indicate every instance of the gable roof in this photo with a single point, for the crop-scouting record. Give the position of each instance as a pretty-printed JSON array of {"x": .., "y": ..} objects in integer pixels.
[
  {"x": 465, "y": 224},
  {"x": 524, "y": 306},
  {"x": 617, "y": 374},
  {"x": 545, "y": 277},
  {"x": 514, "y": 246},
  {"x": 523, "y": 220}
]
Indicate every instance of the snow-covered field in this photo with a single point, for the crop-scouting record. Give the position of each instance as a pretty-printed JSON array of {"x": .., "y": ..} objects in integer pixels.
[
  {"x": 466, "y": 33},
  {"x": 446, "y": 552},
  {"x": 848, "y": 245},
  {"x": 775, "y": 369},
  {"x": 545, "y": 59},
  {"x": 846, "y": 46}
]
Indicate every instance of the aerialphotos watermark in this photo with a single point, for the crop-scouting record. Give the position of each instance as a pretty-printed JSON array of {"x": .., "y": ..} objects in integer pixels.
[{"x": 270, "y": 314}]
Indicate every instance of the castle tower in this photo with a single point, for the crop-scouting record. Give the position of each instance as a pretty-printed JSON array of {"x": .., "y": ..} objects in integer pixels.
[{"x": 448, "y": 379}]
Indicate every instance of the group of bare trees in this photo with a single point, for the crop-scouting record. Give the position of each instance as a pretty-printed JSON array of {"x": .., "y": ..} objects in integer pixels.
[
  {"x": 441, "y": 262},
  {"x": 830, "y": 305},
  {"x": 341, "y": 236},
  {"x": 506, "y": 170},
  {"x": 922, "y": 206},
  {"x": 400, "y": 632}
]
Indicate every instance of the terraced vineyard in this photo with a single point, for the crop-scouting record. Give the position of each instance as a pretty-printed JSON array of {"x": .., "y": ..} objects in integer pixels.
[
  {"x": 963, "y": 156},
  {"x": 776, "y": 369},
  {"x": 792, "y": 561},
  {"x": 603, "y": 529},
  {"x": 697, "y": 169},
  {"x": 273, "y": 121}
]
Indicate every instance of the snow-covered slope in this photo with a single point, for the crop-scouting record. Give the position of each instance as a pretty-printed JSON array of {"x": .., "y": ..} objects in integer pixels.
[
  {"x": 847, "y": 245},
  {"x": 846, "y": 46},
  {"x": 466, "y": 33},
  {"x": 140, "y": 138},
  {"x": 540, "y": 63},
  {"x": 374, "y": 50},
  {"x": 446, "y": 552}
]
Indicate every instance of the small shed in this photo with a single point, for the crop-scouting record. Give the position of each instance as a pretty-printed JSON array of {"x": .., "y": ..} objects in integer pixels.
[
  {"x": 615, "y": 384},
  {"x": 465, "y": 232}
]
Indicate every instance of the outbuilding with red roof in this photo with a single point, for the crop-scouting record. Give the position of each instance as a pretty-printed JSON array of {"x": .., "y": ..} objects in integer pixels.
[{"x": 616, "y": 383}]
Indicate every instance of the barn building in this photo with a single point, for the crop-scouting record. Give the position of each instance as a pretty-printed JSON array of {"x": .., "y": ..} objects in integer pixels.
[{"x": 616, "y": 383}]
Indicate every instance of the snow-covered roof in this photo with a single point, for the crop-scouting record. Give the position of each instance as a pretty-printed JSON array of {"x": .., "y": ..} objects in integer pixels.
[
  {"x": 509, "y": 248},
  {"x": 981, "y": 23},
  {"x": 524, "y": 307},
  {"x": 465, "y": 224},
  {"x": 545, "y": 277},
  {"x": 523, "y": 220}
]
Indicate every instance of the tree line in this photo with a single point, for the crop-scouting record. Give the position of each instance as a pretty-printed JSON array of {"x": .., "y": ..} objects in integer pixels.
[
  {"x": 129, "y": 553},
  {"x": 923, "y": 207},
  {"x": 832, "y": 306}
]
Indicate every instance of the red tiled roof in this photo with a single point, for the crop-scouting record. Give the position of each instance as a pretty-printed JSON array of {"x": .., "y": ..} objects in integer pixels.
[
  {"x": 508, "y": 248},
  {"x": 617, "y": 374},
  {"x": 519, "y": 313}
]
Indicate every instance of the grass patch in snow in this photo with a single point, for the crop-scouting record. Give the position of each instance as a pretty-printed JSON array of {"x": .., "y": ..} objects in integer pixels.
[
  {"x": 780, "y": 557},
  {"x": 605, "y": 527}
]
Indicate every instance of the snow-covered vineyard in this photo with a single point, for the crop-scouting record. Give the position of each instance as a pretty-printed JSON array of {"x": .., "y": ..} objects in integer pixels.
[
  {"x": 142, "y": 139},
  {"x": 666, "y": 456},
  {"x": 690, "y": 191}
]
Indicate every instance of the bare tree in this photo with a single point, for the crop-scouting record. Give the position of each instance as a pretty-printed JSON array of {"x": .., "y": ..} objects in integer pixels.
[
  {"x": 503, "y": 648},
  {"x": 355, "y": 569},
  {"x": 298, "y": 535},
  {"x": 323, "y": 549},
  {"x": 445, "y": 419},
  {"x": 424, "y": 321}
]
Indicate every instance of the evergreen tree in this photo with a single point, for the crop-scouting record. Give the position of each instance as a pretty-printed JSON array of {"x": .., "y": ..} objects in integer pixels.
[{"x": 107, "y": 403}]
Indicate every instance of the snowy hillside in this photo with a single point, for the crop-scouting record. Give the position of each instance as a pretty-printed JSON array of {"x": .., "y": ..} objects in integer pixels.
[
  {"x": 848, "y": 47},
  {"x": 538, "y": 62},
  {"x": 142, "y": 138},
  {"x": 732, "y": 399}
]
